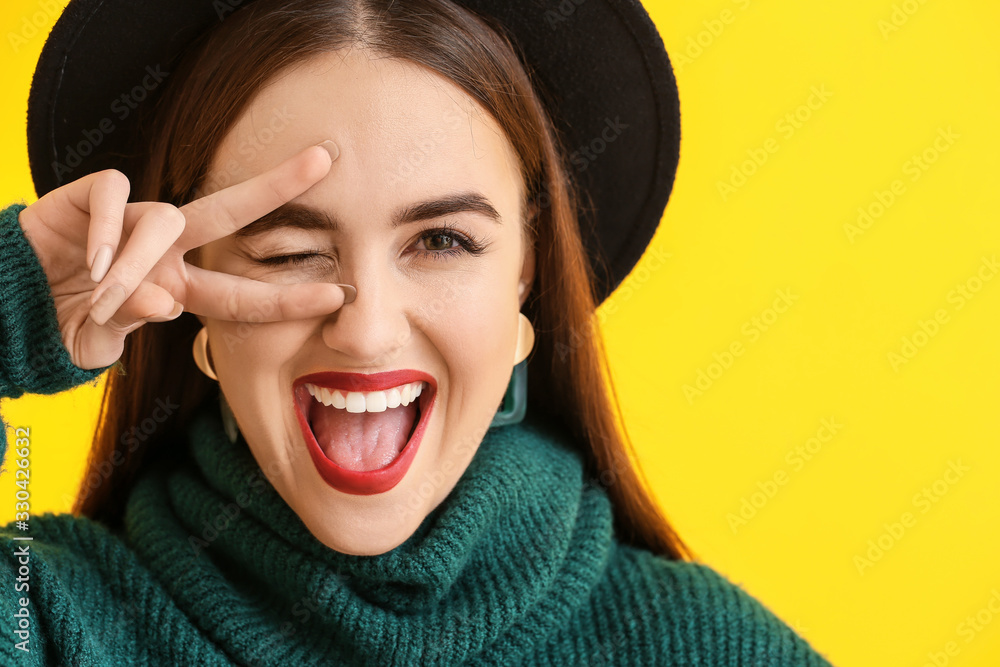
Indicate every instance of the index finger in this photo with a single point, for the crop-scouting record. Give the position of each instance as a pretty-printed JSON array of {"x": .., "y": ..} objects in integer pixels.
[
  {"x": 222, "y": 213},
  {"x": 225, "y": 296}
]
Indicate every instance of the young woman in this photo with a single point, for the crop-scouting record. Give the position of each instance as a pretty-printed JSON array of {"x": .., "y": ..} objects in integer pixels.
[{"x": 367, "y": 211}]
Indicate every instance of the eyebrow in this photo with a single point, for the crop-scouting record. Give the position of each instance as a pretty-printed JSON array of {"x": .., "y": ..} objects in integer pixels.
[{"x": 304, "y": 217}]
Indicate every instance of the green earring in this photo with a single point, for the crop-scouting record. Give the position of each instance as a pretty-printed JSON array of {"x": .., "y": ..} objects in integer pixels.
[{"x": 515, "y": 401}]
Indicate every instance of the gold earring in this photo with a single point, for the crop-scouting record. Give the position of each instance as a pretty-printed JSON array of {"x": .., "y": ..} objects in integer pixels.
[
  {"x": 200, "y": 351},
  {"x": 525, "y": 338}
]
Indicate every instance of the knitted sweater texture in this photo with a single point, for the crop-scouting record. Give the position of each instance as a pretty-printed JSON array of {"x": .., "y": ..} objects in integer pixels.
[{"x": 519, "y": 565}]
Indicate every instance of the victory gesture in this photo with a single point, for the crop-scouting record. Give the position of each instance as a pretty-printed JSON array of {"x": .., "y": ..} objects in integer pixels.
[{"x": 112, "y": 266}]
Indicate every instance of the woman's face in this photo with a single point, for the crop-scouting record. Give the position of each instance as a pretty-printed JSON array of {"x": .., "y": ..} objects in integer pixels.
[{"x": 406, "y": 136}]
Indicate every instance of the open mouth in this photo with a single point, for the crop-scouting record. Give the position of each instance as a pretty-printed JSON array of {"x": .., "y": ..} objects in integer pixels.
[{"x": 362, "y": 431}]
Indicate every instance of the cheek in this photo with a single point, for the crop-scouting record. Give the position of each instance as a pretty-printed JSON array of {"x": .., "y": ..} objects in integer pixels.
[
  {"x": 248, "y": 347},
  {"x": 472, "y": 321}
]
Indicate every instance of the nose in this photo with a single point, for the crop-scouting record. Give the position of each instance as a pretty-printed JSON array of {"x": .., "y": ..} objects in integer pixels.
[{"x": 372, "y": 330}]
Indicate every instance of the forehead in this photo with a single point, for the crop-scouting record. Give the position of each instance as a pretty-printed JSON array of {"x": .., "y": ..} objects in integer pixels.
[{"x": 401, "y": 129}]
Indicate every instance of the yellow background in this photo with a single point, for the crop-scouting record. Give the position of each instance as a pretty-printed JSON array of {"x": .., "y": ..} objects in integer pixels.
[{"x": 719, "y": 261}]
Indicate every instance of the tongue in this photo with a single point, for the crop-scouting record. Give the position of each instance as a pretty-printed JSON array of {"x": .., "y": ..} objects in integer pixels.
[{"x": 362, "y": 440}]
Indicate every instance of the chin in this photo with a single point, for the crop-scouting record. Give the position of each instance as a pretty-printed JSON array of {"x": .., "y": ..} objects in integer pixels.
[{"x": 365, "y": 539}]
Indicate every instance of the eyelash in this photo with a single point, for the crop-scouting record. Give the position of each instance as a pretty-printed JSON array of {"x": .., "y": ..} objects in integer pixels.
[{"x": 467, "y": 244}]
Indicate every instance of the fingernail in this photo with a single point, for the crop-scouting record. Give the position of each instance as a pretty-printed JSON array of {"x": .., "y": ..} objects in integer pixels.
[
  {"x": 173, "y": 315},
  {"x": 107, "y": 304},
  {"x": 102, "y": 262},
  {"x": 350, "y": 293},
  {"x": 331, "y": 148}
]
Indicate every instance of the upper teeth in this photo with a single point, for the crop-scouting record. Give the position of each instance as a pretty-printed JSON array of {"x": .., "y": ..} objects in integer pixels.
[{"x": 368, "y": 401}]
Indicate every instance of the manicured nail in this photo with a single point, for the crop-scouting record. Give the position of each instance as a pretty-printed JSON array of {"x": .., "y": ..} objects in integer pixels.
[
  {"x": 107, "y": 304},
  {"x": 331, "y": 148},
  {"x": 102, "y": 262},
  {"x": 173, "y": 315},
  {"x": 350, "y": 293}
]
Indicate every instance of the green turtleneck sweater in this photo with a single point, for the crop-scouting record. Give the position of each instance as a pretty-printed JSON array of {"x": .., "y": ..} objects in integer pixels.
[{"x": 519, "y": 565}]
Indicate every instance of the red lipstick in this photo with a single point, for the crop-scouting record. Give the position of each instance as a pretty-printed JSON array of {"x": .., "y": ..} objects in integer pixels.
[{"x": 364, "y": 482}]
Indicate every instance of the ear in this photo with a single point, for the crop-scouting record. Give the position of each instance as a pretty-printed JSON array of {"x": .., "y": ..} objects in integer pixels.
[{"x": 527, "y": 263}]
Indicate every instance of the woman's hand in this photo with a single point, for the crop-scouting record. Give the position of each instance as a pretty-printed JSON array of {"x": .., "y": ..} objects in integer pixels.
[{"x": 148, "y": 279}]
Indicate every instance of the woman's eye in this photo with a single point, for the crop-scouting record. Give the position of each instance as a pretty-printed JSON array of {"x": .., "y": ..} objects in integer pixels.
[
  {"x": 300, "y": 258},
  {"x": 438, "y": 244}
]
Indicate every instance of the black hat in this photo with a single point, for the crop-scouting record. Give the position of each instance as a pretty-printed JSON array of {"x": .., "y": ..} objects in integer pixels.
[{"x": 602, "y": 64}]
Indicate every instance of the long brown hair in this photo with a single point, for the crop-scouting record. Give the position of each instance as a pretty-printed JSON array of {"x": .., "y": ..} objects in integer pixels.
[{"x": 208, "y": 90}]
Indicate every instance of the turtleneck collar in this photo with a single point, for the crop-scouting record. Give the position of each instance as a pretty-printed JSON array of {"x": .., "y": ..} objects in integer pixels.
[{"x": 505, "y": 560}]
